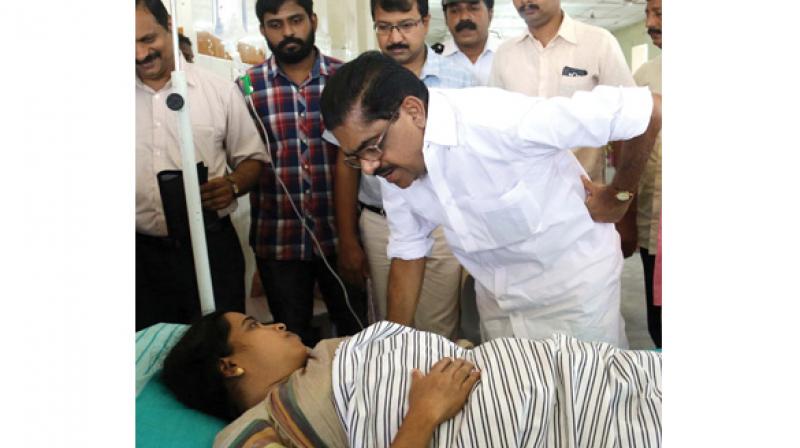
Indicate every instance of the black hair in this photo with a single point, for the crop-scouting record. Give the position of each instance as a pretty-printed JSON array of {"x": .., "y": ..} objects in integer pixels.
[
  {"x": 398, "y": 6},
  {"x": 272, "y": 7},
  {"x": 489, "y": 5},
  {"x": 191, "y": 369},
  {"x": 375, "y": 82},
  {"x": 184, "y": 40},
  {"x": 157, "y": 9}
]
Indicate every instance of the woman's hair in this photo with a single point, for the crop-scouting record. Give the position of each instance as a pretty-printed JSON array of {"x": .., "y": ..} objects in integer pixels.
[{"x": 192, "y": 372}]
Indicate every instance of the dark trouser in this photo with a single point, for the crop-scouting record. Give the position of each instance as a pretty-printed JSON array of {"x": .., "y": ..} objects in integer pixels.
[
  {"x": 289, "y": 286},
  {"x": 166, "y": 285},
  {"x": 653, "y": 312}
]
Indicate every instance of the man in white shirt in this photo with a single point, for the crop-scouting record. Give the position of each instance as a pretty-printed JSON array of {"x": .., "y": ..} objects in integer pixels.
[
  {"x": 493, "y": 169},
  {"x": 559, "y": 56},
  {"x": 225, "y": 137},
  {"x": 400, "y": 29},
  {"x": 471, "y": 45}
]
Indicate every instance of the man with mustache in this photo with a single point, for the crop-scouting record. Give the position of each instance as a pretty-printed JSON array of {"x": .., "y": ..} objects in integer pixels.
[
  {"x": 644, "y": 217},
  {"x": 287, "y": 89},
  {"x": 559, "y": 56},
  {"x": 493, "y": 168},
  {"x": 400, "y": 28},
  {"x": 471, "y": 46},
  {"x": 224, "y": 137}
]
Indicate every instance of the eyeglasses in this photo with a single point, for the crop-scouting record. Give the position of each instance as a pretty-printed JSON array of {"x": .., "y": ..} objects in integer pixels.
[
  {"x": 371, "y": 152},
  {"x": 404, "y": 27}
]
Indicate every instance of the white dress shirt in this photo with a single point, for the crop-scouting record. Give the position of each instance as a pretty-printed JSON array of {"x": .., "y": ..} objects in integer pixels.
[
  {"x": 505, "y": 188},
  {"x": 482, "y": 67},
  {"x": 224, "y": 135},
  {"x": 578, "y": 58}
]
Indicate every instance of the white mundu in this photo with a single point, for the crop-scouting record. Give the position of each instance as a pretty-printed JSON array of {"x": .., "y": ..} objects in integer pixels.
[{"x": 503, "y": 184}]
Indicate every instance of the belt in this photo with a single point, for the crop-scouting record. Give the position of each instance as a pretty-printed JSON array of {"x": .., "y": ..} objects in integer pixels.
[
  {"x": 176, "y": 243},
  {"x": 377, "y": 210}
]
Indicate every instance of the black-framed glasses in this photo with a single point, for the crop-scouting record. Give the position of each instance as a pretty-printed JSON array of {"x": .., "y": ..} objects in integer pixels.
[
  {"x": 371, "y": 152},
  {"x": 404, "y": 27}
]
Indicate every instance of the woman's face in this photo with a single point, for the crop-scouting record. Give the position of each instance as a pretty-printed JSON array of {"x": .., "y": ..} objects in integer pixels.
[{"x": 265, "y": 348}]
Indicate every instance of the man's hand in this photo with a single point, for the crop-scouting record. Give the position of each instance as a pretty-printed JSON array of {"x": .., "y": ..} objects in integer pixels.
[
  {"x": 216, "y": 194},
  {"x": 602, "y": 205},
  {"x": 352, "y": 262},
  {"x": 628, "y": 232},
  {"x": 440, "y": 395}
]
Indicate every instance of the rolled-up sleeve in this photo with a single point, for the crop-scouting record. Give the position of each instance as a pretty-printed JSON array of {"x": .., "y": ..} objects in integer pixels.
[
  {"x": 591, "y": 118},
  {"x": 410, "y": 234},
  {"x": 242, "y": 141}
]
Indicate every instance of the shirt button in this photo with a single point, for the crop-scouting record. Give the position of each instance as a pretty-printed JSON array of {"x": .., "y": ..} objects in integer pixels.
[
  {"x": 158, "y": 124},
  {"x": 308, "y": 191}
]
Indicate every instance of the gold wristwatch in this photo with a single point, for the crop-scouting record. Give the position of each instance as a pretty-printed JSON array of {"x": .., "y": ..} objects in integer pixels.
[{"x": 623, "y": 196}]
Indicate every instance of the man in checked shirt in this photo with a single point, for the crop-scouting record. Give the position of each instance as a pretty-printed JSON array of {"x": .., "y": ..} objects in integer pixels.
[{"x": 286, "y": 93}]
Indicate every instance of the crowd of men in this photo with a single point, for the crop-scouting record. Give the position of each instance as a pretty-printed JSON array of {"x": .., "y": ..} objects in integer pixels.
[{"x": 467, "y": 211}]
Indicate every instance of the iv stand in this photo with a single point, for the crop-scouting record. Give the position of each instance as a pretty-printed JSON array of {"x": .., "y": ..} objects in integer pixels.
[{"x": 176, "y": 102}]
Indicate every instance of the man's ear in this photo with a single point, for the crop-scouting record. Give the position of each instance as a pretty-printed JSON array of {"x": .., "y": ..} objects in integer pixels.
[
  {"x": 229, "y": 369},
  {"x": 169, "y": 24},
  {"x": 415, "y": 107},
  {"x": 314, "y": 21}
]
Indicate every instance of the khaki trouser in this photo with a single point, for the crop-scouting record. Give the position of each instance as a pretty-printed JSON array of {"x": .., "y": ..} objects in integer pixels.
[
  {"x": 593, "y": 160},
  {"x": 438, "y": 307}
]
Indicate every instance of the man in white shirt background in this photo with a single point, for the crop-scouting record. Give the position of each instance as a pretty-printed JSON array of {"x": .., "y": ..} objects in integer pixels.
[
  {"x": 225, "y": 140},
  {"x": 471, "y": 45},
  {"x": 493, "y": 169},
  {"x": 559, "y": 56}
]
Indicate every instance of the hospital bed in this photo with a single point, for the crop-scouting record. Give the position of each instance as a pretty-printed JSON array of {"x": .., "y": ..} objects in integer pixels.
[{"x": 162, "y": 421}]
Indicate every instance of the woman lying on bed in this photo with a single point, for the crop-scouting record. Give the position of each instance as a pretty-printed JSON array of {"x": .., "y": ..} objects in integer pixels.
[{"x": 364, "y": 390}]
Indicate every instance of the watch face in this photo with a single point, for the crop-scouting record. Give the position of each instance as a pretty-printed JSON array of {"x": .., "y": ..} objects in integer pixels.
[{"x": 624, "y": 196}]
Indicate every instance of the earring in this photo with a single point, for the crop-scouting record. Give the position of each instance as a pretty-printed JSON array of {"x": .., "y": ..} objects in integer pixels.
[{"x": 238, "y": 372}]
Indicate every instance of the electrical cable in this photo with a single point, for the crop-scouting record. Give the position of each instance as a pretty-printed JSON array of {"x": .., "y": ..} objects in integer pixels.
[{"x": 248, "y": 90}]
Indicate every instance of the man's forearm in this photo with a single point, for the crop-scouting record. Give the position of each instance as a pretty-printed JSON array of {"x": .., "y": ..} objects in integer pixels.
[
  {"x": 405, "y": 284},
  {"x": 345, "y": 198},
  {"x": 246, "y": 174},
  {"x": 636, "y": 151}
]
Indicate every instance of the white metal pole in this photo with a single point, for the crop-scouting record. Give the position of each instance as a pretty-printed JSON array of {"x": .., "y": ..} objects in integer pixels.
[{"x": 190, "y": 180}]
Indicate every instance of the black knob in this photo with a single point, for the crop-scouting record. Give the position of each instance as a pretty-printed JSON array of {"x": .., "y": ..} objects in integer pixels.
[{"x": 175, "y": 101}]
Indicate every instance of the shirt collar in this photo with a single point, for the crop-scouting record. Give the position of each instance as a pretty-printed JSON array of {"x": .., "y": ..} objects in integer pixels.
[
  {"x": 432, "y": 66},
  {"x": 566, "y": 30},
  {"x": 441, "y": 127},
  {"x": 451, "y": 48},
  {"x": 320, "y": 67}
]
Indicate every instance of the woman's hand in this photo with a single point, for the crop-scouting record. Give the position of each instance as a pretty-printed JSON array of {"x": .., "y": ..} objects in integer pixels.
[
  {"x": 441, "y": 393},
  {"x": 434, "y": 398}
]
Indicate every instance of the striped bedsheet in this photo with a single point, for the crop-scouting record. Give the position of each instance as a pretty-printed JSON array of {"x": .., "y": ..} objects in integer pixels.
[{"x": 558, "y": 392}]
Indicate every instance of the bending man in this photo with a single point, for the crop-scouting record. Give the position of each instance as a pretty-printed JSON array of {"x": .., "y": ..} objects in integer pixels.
[{"x": 494, "y": 169}]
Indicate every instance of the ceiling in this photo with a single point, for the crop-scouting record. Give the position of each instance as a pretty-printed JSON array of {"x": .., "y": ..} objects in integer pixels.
[{"x": 609, "y": 14}]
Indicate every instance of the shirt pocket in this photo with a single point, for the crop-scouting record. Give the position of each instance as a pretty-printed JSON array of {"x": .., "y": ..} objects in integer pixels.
[
  {"x": 512, "y": 217},
  {"x": 206, "y": 144},
  {"x": 568, "y": 85}
]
